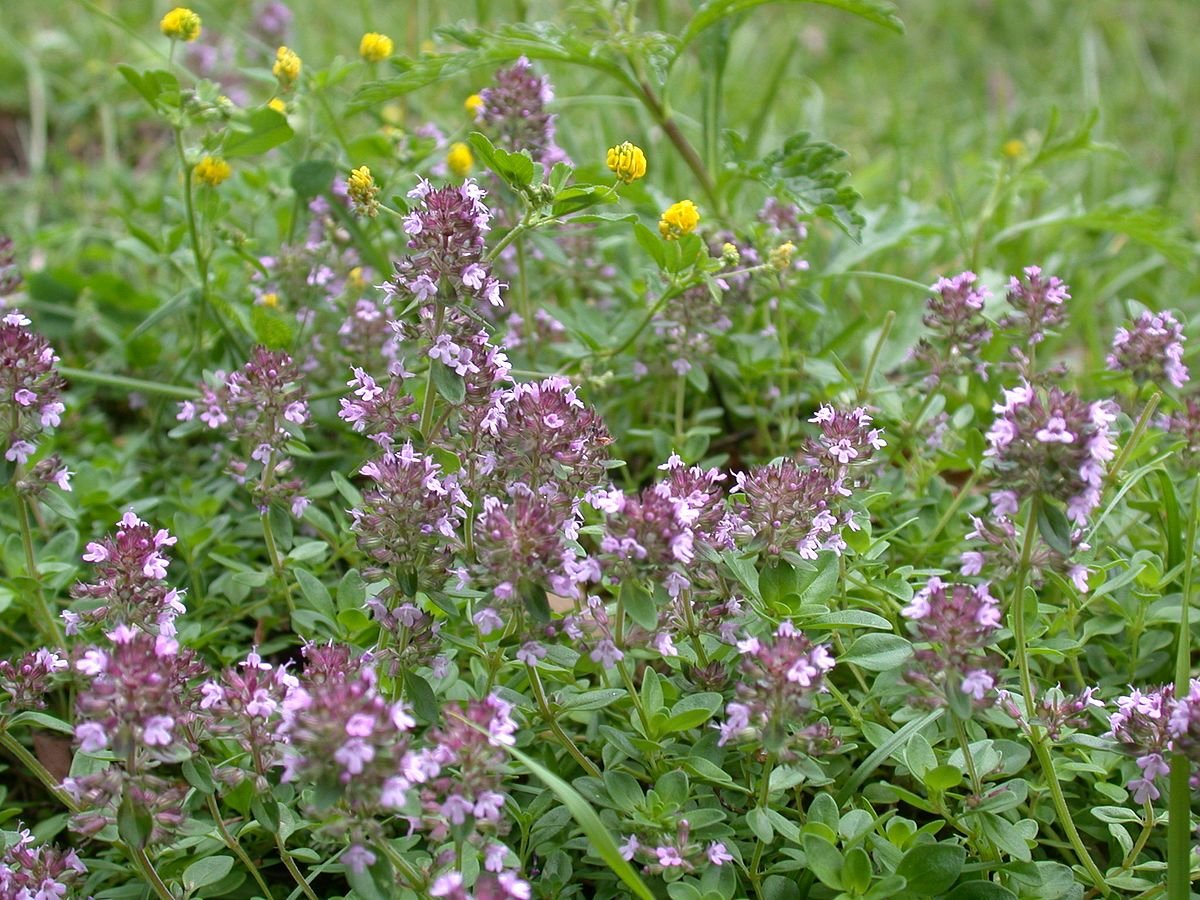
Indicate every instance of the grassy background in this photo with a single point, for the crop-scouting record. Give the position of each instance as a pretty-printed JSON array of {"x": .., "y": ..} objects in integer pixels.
[{"x": 925, "y": 118}]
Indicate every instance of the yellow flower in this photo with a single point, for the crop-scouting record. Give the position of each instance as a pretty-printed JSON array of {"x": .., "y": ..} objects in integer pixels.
[
  {"x": 287, "y": 66},
  {"x": 474, "y": 104},
  {"x": 460, "y": 159},
  {"x": 212, "y": 170},
  {"x": 278, "y": 105},
  {"x": 270, "y": 300},
  {"x": 355, "y": 278},
  {"x": 627, "y": 162},
  {"x": 375, "y": 47},
  {"x": 362, "y": 189},
  {"x": 180, "y": 24},
  {"x": 679, "y": 219},
  {"x": 781, "y": 257},
  {"x": 1014, "y": 148}
]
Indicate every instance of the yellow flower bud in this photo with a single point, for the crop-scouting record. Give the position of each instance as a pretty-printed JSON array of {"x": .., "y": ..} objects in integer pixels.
[
  {"x": 627, "y": 162},
  {"x": 375, "y": 47},
  {"x": 730, "y": 255},
  {"x": 781, "y": 257},
  {"x": 212, "y": 170},
  {"x": 287, "y": 66},
  {"x": 362, "y": 189},
  {"x": 180, "y": 24},
  {"x": 679, "y": 219},
  {"x": 460, "y": 159},
  {"x": 474, "y": 104},
  {"x": 278, "y": 105}
]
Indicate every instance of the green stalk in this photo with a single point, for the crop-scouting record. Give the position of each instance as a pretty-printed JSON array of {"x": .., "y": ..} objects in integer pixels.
[
  {"x": 264, "y": 517},
  {"x": 50, "y": 623},
  {"x": 292, "y": 868},
  {"x": 1179, "y": 801},
  {"x": 539, "y": 694},
  {"x": 150, "y": 874},
  {"x": 764, "y": 794},
  {"x": 40, "y": 772},
  {"x": 125, "y": 383},
  {"x": 232, "y": 843},
  {"x": 951, "y": 510},
  {"x": 1037, "y": 740},
  {"x": 430, "y": 390},
  {"x": 864, "y": 389}
]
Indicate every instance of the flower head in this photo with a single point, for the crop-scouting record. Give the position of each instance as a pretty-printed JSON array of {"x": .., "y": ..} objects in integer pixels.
[
  {"x": 212, "y": 170},
  {"x": 459, "y": 159},
  {"x": 287, "y": 67},
  {"x": 180, "y": 24},
  {"x": 513, "y": 111},
  {"x": 679, "y": 219},
  {"x": 1051, "y": 443},
  {"x": 954, "y": 316},
  {"x": 473, "y": 104},
  {"x": 30, "y": 386},
  {"x": 1150, "y": 349},
  {"x": 627, "y": 162},
  {"x": 362, "y": 189},
  {"x": 778, "y": 677},
  {"x": 375, "y": 47}
]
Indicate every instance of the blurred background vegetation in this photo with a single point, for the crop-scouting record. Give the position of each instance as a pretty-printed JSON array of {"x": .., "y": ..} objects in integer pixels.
[{"x": 993, "y": 134}]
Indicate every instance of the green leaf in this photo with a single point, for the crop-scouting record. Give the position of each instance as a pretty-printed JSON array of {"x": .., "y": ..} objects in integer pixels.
[
  {"x": 824, "y": 860},
  {"x": 133, "y": 822},
  {"x": 652, "y": 243},
  {"x": 857, "y": 870},
  {"x": 592, "y": 700},
  {"x": 1055, "y": 529},
  {"x": 197, "y": 771},
  {"x": 373, "y": 882},
  {"x": 315, "y": 593},
  {"x": 980, "y": 890},
  {"x": 449, "y": 383},
  {"x": 692, "y": 711},
  {"x": 41, "y": 720},
  {"x": 639, "y": 604},
  {"x": 263, "y": 129},
  {"x": 802, "y": 172},
  {"x": 711, "y": 13},
  {"x": 601, "y": 840},
  {"x": 942, "y": 778},
  {"x": 206, "y": 871},
  {"x": 882, "y": 752},
  {"x": 421, "y": 696},
  {"x": 312, "y": 178},
  {"x": 878, "y": 652},
  {"x": 931, "y": 869}
]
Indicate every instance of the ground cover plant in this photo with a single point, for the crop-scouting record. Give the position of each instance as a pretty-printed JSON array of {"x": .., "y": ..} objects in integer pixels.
[{"x": 504, "y": 452}]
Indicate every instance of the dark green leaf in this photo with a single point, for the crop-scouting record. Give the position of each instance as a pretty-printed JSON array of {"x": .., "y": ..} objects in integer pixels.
[
  {"x": 206, "y": 871},
  {"x": 312, "y": 178},
  {"x": 931, "y": 869},
  {"x": 448, "y": 383}
]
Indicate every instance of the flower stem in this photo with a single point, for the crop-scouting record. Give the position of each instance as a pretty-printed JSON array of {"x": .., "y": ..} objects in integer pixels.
[
  {"x": 292, "y": 868},
  {"x": 764, "y": 794},
  {"x": 430, "y": 390},
  {"x": 864, "y": 389},
  {"x": 232, "y": 843},
  {"x": 142, "y": 861},
  {"x": 1179, "y": 811},
  {"x": 1037, "y": 740},
  {"x": 539, "y": 694},
  {"x": 49, "y": 622}
]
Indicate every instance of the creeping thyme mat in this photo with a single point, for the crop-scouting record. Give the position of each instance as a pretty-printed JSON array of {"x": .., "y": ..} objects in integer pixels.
[{"x": 433, "y": 503}]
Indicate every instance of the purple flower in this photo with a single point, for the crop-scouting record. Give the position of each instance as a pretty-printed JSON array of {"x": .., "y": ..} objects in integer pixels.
[
  {"x": 513, "y": 113},
  {"x": 1038, "y": 304},
  {"x": 129, "y": 583},
  {"x": 789, "y": 510},
  {"x": 1050, "y": 443},
  {"x": 1150, "y": 349},
  {"x": 958, "y": 328},
  {"x": 30, "y": 385},
  {"x": 778, "y": 678},
  {"x": 717, "y": 854},
  {"x": 33, "y": 871}
]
